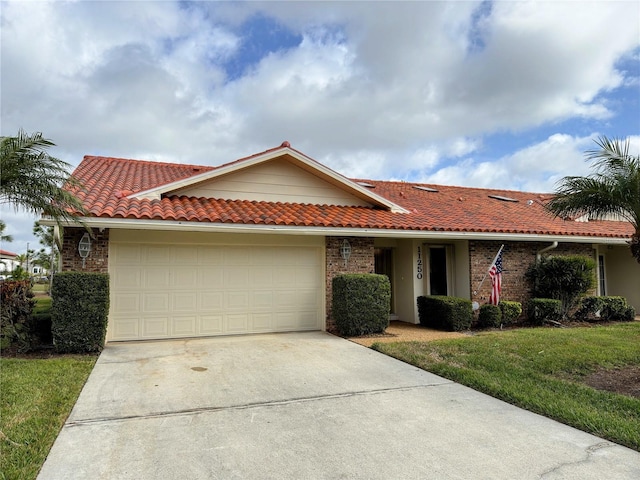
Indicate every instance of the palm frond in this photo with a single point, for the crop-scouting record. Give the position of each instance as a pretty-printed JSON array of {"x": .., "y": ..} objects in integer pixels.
[
  {"x": 612, "y": 189},
  {"x": 33, "y": 180}
]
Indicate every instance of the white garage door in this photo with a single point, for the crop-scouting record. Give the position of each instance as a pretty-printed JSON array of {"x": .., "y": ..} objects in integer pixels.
[{"x": 170, "y": 291}]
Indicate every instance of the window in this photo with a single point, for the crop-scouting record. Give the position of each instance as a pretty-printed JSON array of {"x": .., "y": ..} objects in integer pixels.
[{"x": 601, "y": 277}]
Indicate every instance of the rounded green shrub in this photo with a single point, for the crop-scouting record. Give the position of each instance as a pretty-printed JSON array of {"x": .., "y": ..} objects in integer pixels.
[
  {"x": 361, "y": 303},
  {"x": 511, "y": 311},
  {"x": 490, "y": 316}
]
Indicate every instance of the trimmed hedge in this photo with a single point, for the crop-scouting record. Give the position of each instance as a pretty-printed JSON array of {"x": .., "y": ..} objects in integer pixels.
[
  {"x": 595, "y": 309},
  {"x": 79, "y": 311},
  {"x": 511, "y": 311},
  {"x": 16, "y": 307},
  {"x": 361, "y": 303},
  {"x": 589, "y": 309},
  {"x": 540, "y": 310},
  {"x": 490, "y": 316},
  {"x": 42, "y": 320},
  {"x": 617, "y": 308},
  {"x": 445, "y": 313}
]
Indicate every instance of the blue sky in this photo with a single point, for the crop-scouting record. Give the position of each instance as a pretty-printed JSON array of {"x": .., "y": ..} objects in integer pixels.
[{"x": 487, "y": 94}]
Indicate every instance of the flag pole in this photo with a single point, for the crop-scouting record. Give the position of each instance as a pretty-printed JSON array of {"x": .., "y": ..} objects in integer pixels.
[{"x": 475, "y": 292}]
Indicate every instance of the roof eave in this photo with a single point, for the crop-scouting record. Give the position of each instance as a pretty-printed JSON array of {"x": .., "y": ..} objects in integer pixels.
[{"x": 172, "y": 225}]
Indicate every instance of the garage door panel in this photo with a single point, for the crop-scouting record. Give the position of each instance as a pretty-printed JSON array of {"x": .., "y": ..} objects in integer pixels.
[
  {"x": 262, "y": 322},
  {"x": 185, "y": 256},
  {"x": 237, "y": 323},
  {"x": 155, "y": 302},
  {"x": 210, "y": 278},
  {"x": 127, "y": 278},
  {"x": 308, "y": 320},
  {"x": 286, "y": 321},
  {"x": 237, "y": 277},
  {"x": 235, "y": 257},
  {"x": 157, "y": 255},
  {"x": 156, "y": 277},
  {"x": 209, "y": 256},
  {"x": 211, "y": 325},
  {"x": 184, "y": 278},
  {"x": 126, "y": 303},
  {"x": 164, "y": 291},
  {"x": 306, "y": 276},
  {"x": 155, "y": 327},
  {"x": 185, "y": 302},
  {"x": 126, "y": 328},
  {"x": 128, "y": 255},
  {"x": 184, "y": 326},
  {"x": 238, "y": 300},
  {"x": 262, "y": 300},
  {"x": 261, "y": 277},
  {"x": 211, "y": 301}
]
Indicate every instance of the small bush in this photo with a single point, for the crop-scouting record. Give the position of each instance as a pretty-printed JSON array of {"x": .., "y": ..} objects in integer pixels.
[
  {"x": 16, "y": 307},
  {"x": 361, "y": 303},
  {"x": 540, "y": 310},
  {"x": 490, "y": 316},
  {"x": 79, "y": 311},
  {"x": 616, "y": 308},
  {"x": 562, "y": 278},
  {"x": 590, "y": 309},
  {"x": 511, "y": 311},
  {"x": 445, "y": 313}
]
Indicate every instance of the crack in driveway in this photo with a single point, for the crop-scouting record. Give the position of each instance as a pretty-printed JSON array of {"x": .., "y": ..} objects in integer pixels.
[
  {"x": 589, "y": 451},
  {"x": 195, "y": 411}
]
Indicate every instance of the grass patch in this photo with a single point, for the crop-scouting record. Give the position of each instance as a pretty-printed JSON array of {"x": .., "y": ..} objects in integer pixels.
[
  {"x": 542, "y": 370},
  {"x": 40, "y": 288},
  {"x": 37, "y": 397}
]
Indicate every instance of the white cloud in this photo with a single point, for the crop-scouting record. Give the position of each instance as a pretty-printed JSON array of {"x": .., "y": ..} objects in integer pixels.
[
  {"x": 535, "y": 168},
  {"x": 375, "y": 89}
]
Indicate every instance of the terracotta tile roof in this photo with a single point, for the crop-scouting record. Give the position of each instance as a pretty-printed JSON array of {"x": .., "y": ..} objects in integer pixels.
[
  {"x": 6, "y": 253},
  {"x": 109, "y": 181}
]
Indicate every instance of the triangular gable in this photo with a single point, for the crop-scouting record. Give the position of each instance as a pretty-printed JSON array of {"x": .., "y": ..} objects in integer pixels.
[{"x": 278, "y": 175}]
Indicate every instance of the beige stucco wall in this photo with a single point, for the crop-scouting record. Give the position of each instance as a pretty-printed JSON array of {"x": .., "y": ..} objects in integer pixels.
[
  {"x": 275, "y": 181},
  {"x": 622, "y": 274}
]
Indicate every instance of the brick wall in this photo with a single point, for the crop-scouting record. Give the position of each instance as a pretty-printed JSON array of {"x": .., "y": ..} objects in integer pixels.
[
  {"x": 516, "y": 259},
  {"x": 98, "y": 259},
  {"x": 360, "y": 261}
]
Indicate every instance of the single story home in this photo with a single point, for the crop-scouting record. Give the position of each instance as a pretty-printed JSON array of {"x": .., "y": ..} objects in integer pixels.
[
  {"x": 8, "y": 262},
  {"x": 252, "y": 246}
]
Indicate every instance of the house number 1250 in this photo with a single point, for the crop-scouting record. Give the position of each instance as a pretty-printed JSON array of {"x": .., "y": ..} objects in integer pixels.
[{"x": 419, "y": 265}]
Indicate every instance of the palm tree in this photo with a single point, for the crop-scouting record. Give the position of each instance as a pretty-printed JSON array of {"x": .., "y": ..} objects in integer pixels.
[
  {"x": 613, "y": 190},
  {"x": 32, "y": 179},
  {"x": 3, "y": 237}
]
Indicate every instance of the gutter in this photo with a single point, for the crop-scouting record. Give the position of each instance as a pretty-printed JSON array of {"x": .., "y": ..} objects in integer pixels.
[{"x": 173, "y": 225}]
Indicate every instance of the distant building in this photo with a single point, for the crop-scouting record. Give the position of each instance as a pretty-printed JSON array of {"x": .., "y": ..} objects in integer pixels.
[{"x": 8, "y": 262}]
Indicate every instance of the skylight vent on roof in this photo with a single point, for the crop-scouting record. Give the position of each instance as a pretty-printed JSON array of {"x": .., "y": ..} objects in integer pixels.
[
  {"x": 425, "y": 189},
  {"x": 368, "y": 185},
  {"x": 503, "y": 199}
]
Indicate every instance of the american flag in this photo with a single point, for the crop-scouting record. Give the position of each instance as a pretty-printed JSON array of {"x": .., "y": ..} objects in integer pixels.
[{"x": 495, "y": 272}]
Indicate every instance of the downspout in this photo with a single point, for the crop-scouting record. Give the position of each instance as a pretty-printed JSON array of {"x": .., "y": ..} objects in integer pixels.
[{"x": 546, "y": 249}]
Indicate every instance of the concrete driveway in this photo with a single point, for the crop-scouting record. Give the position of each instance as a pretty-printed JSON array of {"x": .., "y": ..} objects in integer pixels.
[{"x": 305, "y": 406}]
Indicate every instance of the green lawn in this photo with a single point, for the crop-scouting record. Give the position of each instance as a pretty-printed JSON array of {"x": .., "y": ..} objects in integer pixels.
[
  {"x": 540, "y": 369},
  {"x": 36, "y": 397}
]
